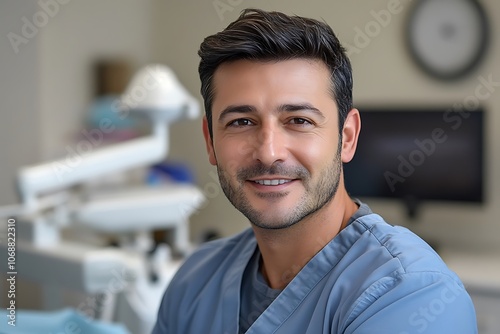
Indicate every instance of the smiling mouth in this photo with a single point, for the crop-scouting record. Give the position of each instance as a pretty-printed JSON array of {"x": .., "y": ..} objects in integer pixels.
[{"x": 275, "y": 182}]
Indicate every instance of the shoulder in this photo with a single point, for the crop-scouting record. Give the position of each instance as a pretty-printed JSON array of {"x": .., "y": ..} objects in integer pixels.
[
  {"x": 408, "y": 281},
  {"x": 384, "y": 255},
  {"x": 399, "y": 243}
]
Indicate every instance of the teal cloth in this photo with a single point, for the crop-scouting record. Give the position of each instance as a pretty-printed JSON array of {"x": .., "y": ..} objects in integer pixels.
[{"x": 63, "y": 321}]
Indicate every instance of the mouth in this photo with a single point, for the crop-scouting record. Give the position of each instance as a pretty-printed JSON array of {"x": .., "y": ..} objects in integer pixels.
[
  {"x": 272, "y": 182},
  {"x": 272, "y": 187}
]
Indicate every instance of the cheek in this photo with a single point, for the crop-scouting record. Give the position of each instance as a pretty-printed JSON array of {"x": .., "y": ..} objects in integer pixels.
[
  {"x": 233, "y": 153},
  {"x": 315, "y": 153}
]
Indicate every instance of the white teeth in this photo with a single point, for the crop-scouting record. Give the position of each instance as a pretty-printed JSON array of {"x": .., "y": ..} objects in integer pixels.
[{"x": 271, "y": 182}]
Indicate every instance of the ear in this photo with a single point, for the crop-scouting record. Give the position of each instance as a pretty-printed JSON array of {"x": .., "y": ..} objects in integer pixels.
[
  {"x": 350, "y": 134},
  {"x": 209, "y": 142}
]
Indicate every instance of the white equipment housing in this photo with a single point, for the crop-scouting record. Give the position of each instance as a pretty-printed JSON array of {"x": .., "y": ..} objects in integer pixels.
[{"x": 132, "y": 276}]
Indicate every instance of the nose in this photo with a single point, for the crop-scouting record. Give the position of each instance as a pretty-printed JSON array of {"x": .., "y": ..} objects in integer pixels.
[{"x": 270, "y": 145}]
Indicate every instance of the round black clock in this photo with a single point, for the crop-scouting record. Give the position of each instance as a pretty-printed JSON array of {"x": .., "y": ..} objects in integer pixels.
[{"x": 447, "y": 38}]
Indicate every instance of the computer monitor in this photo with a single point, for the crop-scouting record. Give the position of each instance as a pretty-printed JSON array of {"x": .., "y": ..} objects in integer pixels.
[{"x": 418, "y": 155}]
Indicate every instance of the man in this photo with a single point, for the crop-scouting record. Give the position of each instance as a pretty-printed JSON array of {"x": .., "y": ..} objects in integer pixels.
[{"x": 279, "y": 125}]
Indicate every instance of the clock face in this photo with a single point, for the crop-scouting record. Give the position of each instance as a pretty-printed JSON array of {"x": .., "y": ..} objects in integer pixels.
[{"x": 447, "y": 38}]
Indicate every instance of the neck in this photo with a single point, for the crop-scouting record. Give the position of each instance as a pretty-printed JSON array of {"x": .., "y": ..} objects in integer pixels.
[{"x": 286, "y": 251}]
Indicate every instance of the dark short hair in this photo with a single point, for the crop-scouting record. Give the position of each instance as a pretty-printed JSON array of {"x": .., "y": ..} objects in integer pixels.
[{"x": 266, "y": 36}]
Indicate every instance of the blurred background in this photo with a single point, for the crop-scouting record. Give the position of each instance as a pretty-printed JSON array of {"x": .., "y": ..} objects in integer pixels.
[{"x": 52, "y": 83}]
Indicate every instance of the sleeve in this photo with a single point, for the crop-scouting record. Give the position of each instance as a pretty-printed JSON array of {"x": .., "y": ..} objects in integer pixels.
[{"x": 430, "y": 303}]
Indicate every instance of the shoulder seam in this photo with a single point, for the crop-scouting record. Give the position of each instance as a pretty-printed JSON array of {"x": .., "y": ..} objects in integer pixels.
[{"x": 369, "y": 229}]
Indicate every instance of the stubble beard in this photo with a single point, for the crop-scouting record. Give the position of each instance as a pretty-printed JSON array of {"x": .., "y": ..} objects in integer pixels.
[{"x": 317, "y": 194}]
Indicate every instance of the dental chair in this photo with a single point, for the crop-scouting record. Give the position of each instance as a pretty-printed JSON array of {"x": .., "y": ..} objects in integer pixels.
[{"x": 126, "y": 281}]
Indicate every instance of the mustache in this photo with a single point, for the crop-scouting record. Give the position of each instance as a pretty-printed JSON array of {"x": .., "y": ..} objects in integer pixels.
[{"x": 259, "y": 169}]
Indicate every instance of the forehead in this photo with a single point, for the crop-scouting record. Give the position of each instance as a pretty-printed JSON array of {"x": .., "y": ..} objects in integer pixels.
[{"x": 237, "y": 81}]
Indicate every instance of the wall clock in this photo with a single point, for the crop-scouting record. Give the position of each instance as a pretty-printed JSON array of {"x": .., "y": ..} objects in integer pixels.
[{"x": 447, "y": 38}]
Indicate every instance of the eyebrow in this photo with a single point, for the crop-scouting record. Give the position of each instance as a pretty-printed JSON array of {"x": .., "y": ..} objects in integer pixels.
[
  {"x": 236, "y": 109},
  {"x": 281, "y": 108},
  {"x": 299, "y": 107}
]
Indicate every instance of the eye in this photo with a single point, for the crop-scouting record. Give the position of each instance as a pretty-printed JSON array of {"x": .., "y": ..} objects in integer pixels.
[
  {"x": 299, "y": 121},
  {"x": 240, "y": 122}
]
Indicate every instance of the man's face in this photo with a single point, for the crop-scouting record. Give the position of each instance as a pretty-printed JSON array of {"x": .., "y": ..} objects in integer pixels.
[{"x": 275, "y": 139}]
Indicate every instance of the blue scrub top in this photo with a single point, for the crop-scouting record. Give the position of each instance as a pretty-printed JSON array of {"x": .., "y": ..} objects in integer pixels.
[{"x": 371, "y": 278}]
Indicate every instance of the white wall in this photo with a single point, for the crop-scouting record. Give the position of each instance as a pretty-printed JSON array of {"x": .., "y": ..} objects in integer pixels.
[
  {"x": 19, "y": 98},
  {"x": 82, "y": 32},
  {"x": 383, "y": 73}
]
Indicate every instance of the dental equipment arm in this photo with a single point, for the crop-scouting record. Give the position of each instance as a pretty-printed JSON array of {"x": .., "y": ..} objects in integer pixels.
[{"x": 154, "y": 92}]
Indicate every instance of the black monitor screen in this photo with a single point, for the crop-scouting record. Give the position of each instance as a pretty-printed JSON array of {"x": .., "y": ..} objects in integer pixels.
[{"x": 418, "y": 154}]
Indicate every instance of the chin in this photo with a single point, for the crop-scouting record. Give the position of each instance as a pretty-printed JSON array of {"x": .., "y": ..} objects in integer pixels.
[{"x": 273, "y": 223}]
